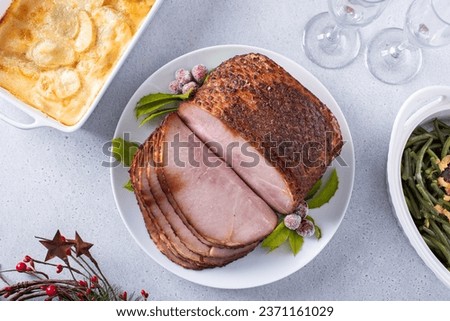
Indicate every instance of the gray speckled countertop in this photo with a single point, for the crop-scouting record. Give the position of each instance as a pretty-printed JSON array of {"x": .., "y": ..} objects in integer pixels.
[{"x": 52, "y": 180}]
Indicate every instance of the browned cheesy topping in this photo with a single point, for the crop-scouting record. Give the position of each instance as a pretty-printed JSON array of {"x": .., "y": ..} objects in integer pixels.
[{"x": 55, "y": 55}]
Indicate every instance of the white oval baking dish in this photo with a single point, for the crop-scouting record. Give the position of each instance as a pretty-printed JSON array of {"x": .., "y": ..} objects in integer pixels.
[
  {"x": 39, "y": 119},
  {"x": 419, "y": 109}
]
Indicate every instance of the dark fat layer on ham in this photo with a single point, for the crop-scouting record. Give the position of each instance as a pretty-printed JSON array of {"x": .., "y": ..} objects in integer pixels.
[{"x": 251, "y": 102}]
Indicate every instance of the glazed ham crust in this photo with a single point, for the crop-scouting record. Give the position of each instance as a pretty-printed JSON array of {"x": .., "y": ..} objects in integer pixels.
[{"x": 251, "y": 99}]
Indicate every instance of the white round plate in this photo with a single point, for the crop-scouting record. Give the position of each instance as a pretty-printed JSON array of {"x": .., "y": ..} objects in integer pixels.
[{"x": 259, "y": 267}]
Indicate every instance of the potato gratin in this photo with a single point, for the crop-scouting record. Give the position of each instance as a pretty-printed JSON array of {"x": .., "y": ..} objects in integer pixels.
[{"x": 55, "y": 55}]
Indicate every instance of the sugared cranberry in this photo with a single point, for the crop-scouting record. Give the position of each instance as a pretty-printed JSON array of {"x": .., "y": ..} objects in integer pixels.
[
  {"x": 191, "y": 86},
  {"x": 183, "y": 76},
  {"x": 292, "y": 221},
  {"x": 302, "y": 210},
  {"x": 199, "y": 72},
  {"x": 175, "y": 87},
  {"x": 306, "y": 229}
]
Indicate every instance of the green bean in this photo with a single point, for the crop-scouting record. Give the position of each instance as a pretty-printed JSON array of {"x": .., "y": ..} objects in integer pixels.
[
  {"x": 420, "y": 138},
  {"x": 440, "y": 236},
  {"x": 445, "y": 148},
  {"x": 434, "y": 248},
  {"x": 426, "y": 195},
  {"x": 442, "y": 124},
  {"x": 444, "y": 250},
  {"x": 412, "y": 205},
  {"x": 434, "y": 186},
  {"x": 427, "y": 230},
  {"x": 438, "y": 131},
  {"x": 419, "y": 173},
  {"x": 439, "y": 218},
  {"x": 419, "y": 130},
  {"x": 430, "y": 243}
]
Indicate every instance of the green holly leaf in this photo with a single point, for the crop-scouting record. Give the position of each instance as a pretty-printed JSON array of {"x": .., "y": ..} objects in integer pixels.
[
  {"x": 129, "y": 186},
  {"x": 124, "y": 151},
  {"x": 317, "y": 230},
  {"x": 295, "y": 242},
  {"x": 278, "y": 236},
  {"x": 314, "y": 190},
  {"x": 328, "y": 191}
]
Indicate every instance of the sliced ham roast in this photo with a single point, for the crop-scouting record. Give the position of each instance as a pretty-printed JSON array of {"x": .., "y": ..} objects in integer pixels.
[
  {"x": 164, "y": 234},
  {"x": 274, "y": 132},
  {"x": 250, "y": 141}
]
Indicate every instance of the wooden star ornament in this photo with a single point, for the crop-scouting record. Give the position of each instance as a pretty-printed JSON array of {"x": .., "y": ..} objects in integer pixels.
[
  {"x": 58, "y": 247},
  {"x": 82, "y": 247}
]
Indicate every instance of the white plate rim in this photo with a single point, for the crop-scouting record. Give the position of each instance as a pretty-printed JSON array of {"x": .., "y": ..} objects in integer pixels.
[{"x": 222, "y": 281}]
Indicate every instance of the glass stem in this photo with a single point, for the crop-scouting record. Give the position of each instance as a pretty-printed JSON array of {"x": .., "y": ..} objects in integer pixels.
[
  {"x": 334, "y": 35},
  {"x": 396, "y": 51}
]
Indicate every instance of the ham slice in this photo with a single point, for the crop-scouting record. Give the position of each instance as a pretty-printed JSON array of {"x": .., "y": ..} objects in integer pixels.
[
  {"x": 163, "y": 233},
  {"x": 213, "y": 200},
  {"x": 274, "y": 132}
]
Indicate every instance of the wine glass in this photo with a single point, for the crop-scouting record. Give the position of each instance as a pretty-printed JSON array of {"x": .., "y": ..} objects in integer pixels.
[
  {"x": 331, "y": 39},
  {"x": 394, "y": 56}
]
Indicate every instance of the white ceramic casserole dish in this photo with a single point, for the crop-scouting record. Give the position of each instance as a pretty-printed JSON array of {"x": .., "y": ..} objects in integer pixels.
[
  {"x": 40, "y": 119},
  {"x": 419, "y": 109}
]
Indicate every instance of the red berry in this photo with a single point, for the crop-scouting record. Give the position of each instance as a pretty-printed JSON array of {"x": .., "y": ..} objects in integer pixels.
[
  {"x": 68, "y": 252},
  {"x": 190, "y": 86},
  {"x": 21, "y": 267},
  {"x": 183, "y": 76},
  {"x": 199, "y": 72},
  {"x": 43, "y": 287},
  {"x": 292, "y": 221},
  {"x": 144, "y": 294},
  {"x": 82, "y": 283},
  {"x": 123, "y": 296},
  {"x": 302, "y": 210},
  {"x": 88, "y": 291},
  {"x": 6, "y": 295},
  {"x": 63, "y": 238},
  {"x": 94, "y": 279},
  {"x": 27, "y": 258},
  {"x": 175, "y": 87},
  {"x": 51, "y": 290},
  {"x": 29, "y": 269},
  {"x": 59, "y": 268},
  {"x": 32, "y": 263},
  {"x": 8, "y": 289},
  {"x": 306, "y": 229},
  {"x": 80, "y": 296}
]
